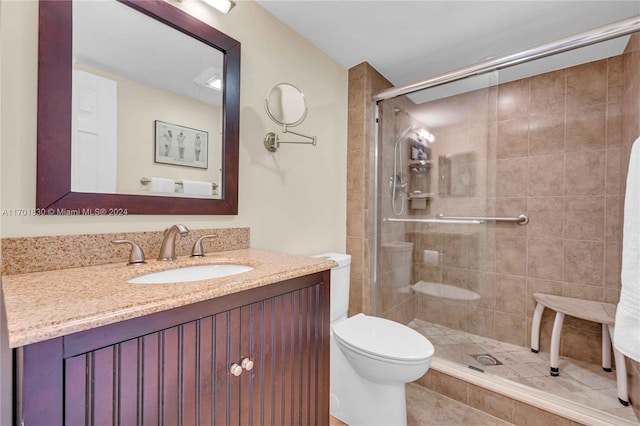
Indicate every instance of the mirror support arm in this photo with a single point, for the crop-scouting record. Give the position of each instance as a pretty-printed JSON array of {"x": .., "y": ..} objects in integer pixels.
[{"x": 272, "y": 142}]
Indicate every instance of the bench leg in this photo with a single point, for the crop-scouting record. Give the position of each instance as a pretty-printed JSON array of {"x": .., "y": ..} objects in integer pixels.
[
  {"x": 606, "y": 348},
  {"x": 535, "y": 327},
  {"x": 621, "y": 371},
  {"x": 555, "y": 344}
]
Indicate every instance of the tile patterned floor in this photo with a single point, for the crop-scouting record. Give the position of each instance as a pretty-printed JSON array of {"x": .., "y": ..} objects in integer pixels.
[{"x": 578, "y": 381}]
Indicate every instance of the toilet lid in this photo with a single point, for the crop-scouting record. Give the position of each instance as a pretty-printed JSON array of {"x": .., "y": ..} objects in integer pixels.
[{"x": 383, "y": 338}]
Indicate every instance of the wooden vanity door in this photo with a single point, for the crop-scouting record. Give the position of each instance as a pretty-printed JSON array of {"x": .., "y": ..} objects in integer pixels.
[
  {"x": 283, "y": 336},
  {"x": 181, "y": 375}
]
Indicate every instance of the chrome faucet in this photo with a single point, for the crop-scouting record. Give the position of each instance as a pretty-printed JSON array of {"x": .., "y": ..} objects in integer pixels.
[{"x": 168, "y": 248}]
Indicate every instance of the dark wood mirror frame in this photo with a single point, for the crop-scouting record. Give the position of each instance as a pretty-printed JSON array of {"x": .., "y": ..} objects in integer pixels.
[{"x": 53, "y": 193}]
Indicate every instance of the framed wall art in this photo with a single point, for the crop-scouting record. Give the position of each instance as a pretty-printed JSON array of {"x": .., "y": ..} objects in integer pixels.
[{"x": 181, "y": 146}]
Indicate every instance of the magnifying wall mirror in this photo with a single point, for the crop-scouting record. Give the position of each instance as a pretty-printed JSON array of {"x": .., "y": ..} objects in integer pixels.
[{"x": 286, "y": 106}]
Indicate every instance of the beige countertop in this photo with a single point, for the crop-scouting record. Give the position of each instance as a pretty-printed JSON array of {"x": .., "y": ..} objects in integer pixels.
[{"x": 44, "y": 305}]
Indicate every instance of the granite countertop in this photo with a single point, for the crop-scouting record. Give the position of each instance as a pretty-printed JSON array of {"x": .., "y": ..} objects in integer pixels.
[{"x": 44, "y": 305}]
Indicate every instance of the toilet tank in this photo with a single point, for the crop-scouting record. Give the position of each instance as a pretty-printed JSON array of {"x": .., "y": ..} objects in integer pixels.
[{"x": 339, "y": 284}]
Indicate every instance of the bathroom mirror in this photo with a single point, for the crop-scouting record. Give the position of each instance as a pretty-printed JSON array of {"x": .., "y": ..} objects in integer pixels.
[
  {"x": 218, "y": 126},
  {"x": 285, "y": 105}
]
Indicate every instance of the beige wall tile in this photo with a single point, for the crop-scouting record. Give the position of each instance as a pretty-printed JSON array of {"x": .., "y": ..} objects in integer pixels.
[
  {"x": 513, "y": 100},
  {"x": 614, "y": 125},
  {"x": 546, "y": 217},
  {"x": 548, "y": 93},
  {"x": 511, "y": 328},
  {"x": 546, "y": 134},
  {"x": 614, "y": 79},
  {"x": 613, "y": 173},
  {"x": 584, "y": 218},
  {"x": 510, "y": 294},
  {"x": 584, "y": 173},
  {"x": 490, "y": 402},
  {"x": 578, "y": 343},
  {"x": 613, "y": 209},
  {"x": 513, "y": 138},
  {"x": 454, "y": 250},
  {"x": 447, "y": 385},
  {"x": 526, "y": 415},
  {"x": 586, "y": 128},
  {"x": 511, "y": 177},
  {"x": 546, "y": 175},
  {"x": 587, "y": 84},
  {"x": 584, "y": 262},
  {"x": 481, "y": 322},
  {"x": 511, "y": 255},
  {"x": 544, "y": 258},
  {"x": 355, "y": 249},
  {"x": 612, "y": 265},
  {"x": 582, "y": 291}
]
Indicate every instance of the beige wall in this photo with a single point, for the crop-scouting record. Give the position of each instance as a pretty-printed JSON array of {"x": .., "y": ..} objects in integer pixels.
[{"x": 294, "y": 200}]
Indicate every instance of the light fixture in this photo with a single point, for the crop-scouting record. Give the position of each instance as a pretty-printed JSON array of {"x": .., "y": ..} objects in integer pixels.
[
  {"x": 211, "y": 78},
  {"x": 214, "y": 82},
  {"x": 223, "y": 6}
]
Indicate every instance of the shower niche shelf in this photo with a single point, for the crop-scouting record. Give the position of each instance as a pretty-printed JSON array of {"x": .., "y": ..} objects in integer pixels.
[
  {"x": 415, "y": 196},
  {"x": 420, "y": 164}
]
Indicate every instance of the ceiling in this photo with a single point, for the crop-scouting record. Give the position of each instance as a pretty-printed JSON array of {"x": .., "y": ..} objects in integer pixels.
[
  {"x": 163, "y": 57},
  {"x": 408, "y": 41}
]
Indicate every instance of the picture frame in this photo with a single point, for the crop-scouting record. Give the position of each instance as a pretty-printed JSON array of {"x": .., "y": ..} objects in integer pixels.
[{"x": 181, "y": 146}]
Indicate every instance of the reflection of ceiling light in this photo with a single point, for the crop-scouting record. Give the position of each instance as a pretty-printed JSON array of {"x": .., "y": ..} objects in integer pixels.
[
  {"x": 425, "y": 134},
  {"x": 214, "y": 82},
  {"x": 223, "y": 6},
  {"x": 211, "y": 78}
]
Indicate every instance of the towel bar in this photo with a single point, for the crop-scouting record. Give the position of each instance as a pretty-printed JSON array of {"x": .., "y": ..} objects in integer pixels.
[{"x": 147, "y": 181}]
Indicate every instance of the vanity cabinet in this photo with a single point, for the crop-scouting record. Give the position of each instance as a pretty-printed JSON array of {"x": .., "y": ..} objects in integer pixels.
[{"x": 173, "y": 367}]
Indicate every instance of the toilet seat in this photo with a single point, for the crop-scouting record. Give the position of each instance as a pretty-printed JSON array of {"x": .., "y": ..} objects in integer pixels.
[{"x": 383, "y": 339}]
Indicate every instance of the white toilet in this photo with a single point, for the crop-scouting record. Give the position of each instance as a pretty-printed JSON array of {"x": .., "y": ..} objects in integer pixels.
[{"x": 371, "y": 359}]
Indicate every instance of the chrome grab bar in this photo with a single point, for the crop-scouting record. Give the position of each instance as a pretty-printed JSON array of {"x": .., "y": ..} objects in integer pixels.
[
  {"x": 464, "y": 221},
  {"x": 523, "y": 219}
]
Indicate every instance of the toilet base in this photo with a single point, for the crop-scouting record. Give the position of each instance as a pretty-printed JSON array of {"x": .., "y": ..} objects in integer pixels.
[{"x": 359, "y": 402}]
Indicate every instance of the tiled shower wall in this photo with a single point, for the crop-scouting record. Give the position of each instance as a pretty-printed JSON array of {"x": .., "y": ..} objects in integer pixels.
[
  {"x": 364, "y": 81},
  {"x": 554, "y": 153}
]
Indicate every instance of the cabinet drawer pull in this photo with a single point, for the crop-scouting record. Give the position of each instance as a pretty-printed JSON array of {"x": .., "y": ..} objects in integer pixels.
[
  {"x": 247, "y": 364},
  {"x": 236, "y": 370}
]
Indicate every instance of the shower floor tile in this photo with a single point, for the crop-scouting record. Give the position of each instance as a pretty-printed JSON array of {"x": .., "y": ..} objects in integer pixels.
[{"x": 579, "y": 381}]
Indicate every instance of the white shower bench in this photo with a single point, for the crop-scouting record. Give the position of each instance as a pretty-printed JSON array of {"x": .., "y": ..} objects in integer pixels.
[{"x": 603, "y": 313}]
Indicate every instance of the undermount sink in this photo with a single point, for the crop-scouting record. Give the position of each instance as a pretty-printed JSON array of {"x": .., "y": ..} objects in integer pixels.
[{"x": 190, "y": 273}]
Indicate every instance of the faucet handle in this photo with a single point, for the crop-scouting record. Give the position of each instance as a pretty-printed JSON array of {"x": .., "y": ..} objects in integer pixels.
[
  {"x": 197, "y": 250},
  {"x": 136, "y": 257}
]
